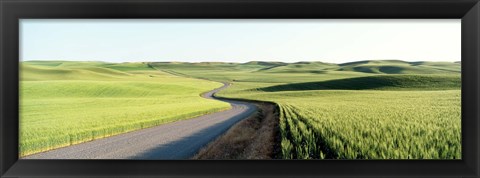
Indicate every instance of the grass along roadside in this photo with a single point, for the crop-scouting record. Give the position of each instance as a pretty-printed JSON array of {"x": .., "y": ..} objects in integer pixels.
[
  {"x": 384, "y": 109},
  {"x": 366, "y": 124},
  {"x": 65, "y": 103},
  {"x": 256, "y": 137},
  {"x": 395, "y": 110}
]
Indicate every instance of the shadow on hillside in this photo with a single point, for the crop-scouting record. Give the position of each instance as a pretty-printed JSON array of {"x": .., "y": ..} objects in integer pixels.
[
  {"x": 364, "y": 69},
  {"x": 389, "y": 82},
  {"x": 354, "y": 63},
  {"x": 417, "y": 63},
  {"x": 359, "y": 83},
  {"x": 375, "y": 69},
  {"x": 391, "y": 69}
]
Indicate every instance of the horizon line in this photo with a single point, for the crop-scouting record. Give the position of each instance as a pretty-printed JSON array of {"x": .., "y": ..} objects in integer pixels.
[{"x": 39, "y": 60}]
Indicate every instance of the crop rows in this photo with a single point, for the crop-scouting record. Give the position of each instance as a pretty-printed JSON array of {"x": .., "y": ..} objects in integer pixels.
[
  {"x": 378, "y": 109},
  {"x": 375, "y": 132}
]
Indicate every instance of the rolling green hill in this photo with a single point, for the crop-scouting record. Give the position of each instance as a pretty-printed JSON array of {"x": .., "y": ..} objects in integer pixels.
[
  {"x": 400, "y": 67},
  {"x": 64, "y": 103},
  {"x": 378, "y": 109},
  {"x": 300, "y": 67},
  {"x": 378, "y": 82}
]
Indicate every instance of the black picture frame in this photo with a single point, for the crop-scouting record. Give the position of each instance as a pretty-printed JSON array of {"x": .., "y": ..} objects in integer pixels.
[{"x": 13, "y": 10}]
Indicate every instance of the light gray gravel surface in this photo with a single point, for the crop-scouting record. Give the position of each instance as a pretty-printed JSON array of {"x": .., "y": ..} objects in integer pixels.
[{"x": 177, "y": 140}]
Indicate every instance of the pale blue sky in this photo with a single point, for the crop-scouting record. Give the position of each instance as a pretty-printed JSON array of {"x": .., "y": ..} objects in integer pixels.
[{"x": 189, "y": 40}]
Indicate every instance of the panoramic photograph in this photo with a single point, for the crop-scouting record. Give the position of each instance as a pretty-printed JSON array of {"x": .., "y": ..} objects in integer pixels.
[{"x": 176, "y": 89}]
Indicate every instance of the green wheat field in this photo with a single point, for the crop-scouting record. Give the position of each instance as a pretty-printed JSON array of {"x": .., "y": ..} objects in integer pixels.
[{"x": 378, "y": 109}]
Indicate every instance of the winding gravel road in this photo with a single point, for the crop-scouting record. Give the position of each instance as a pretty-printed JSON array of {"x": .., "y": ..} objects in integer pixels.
[{"x": 177, "y": 140}]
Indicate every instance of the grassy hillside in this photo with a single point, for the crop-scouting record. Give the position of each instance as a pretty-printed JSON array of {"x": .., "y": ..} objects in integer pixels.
[
  {"x": 379, "y": 109},
  {"x": 378, "y": 82},
  {"x": 400, "y": 67},
  {"x": 385, "y": 109},
  {"x": 300, "y": 67},
  {"x": 64, "y": 103}
]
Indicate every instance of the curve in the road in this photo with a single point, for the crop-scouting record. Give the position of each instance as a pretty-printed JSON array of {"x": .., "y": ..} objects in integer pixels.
[{"x": 177, "y": 140}]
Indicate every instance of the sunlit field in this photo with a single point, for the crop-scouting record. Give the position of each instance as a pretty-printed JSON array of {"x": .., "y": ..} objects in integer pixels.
[
  {"x": 65, "y": 103},
  {"x": 361, "y": 110}
]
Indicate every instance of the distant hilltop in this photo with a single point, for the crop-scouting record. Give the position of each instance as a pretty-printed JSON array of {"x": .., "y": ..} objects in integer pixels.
[
  {"x": 366, "y": 66},
  {"x": 35, "y": 70},
  {"x": 266, "y": 63}
]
